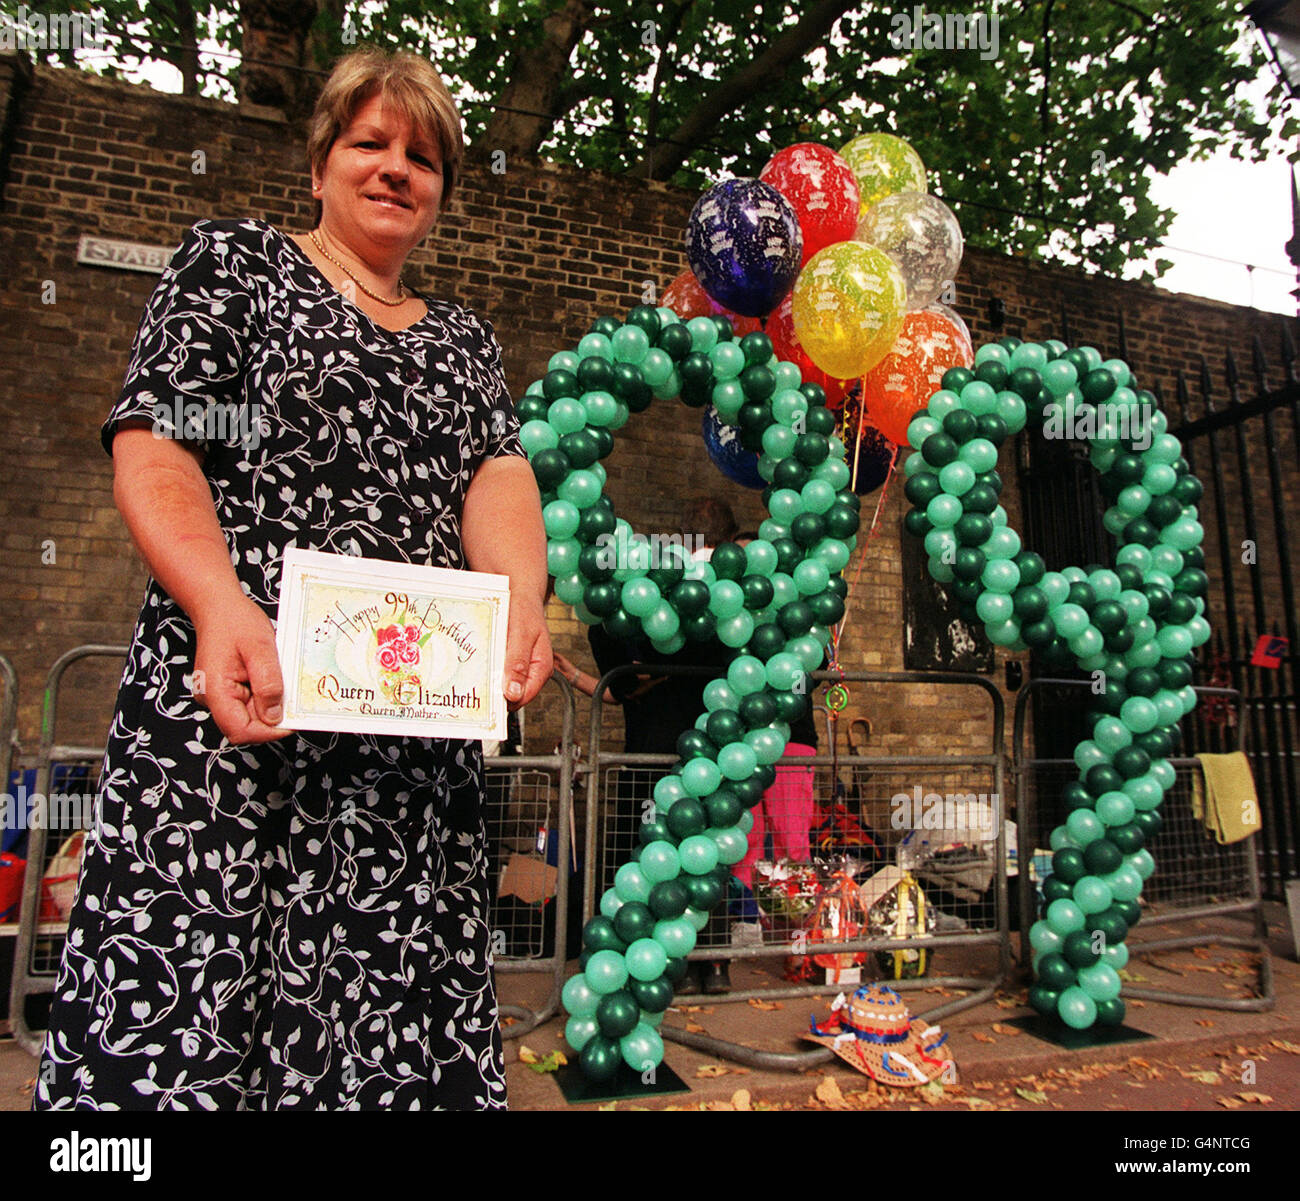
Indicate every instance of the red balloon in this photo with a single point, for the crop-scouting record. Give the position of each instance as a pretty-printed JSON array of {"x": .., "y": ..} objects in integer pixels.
[
  {"x": 822, "y": 190},
  {"x": 905, "y": 379},
  {"x": 687, "y": 298},
  {"x": 785, "y": 342}
]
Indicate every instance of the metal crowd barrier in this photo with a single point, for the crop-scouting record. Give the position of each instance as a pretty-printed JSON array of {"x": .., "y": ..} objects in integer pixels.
[
  {"x": 983, "y": 926},
  {"x": 529, "y": 786},
  {"x": 1195, "y": 878},
  {"x": 39, "y": 944}
]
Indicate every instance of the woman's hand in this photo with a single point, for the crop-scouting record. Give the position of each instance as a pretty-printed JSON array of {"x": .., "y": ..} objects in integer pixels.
[
  {"x": 529, "y": 661},
  {"x": 237, "y": 672}
]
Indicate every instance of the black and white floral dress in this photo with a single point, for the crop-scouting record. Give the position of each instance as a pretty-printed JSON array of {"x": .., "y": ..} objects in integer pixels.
[{"x": 299, "y": 924}]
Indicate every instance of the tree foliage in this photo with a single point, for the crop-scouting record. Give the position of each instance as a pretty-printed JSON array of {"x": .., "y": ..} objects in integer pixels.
[{"x": 1042, "y": 148}]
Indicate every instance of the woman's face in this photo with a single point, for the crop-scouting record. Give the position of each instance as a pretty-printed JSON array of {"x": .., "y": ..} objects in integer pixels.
[{"x": 382, "y": 182}]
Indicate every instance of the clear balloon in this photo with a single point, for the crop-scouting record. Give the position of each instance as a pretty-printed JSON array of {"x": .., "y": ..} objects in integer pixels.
[{"x": 921, "y": 235}]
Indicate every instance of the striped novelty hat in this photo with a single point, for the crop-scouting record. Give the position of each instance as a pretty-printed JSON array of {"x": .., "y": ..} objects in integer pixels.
[{"x": 873, "y": 1032}]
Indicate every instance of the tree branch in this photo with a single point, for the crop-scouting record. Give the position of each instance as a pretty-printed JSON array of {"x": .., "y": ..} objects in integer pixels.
[{"x": 742, "y": 85}]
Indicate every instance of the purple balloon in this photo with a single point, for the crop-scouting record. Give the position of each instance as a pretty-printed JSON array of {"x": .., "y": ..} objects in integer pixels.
[
  {"x": 874, "y": 461},
  {"x": 722, "y": 441},
  {"x": 744, "y": 244}
]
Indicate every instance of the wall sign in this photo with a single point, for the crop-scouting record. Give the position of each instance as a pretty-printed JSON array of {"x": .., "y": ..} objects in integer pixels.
[{"x": 125, "y": 256}]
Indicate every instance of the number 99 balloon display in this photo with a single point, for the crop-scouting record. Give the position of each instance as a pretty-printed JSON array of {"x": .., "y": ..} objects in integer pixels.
[{"x": 1135, "y": 625}]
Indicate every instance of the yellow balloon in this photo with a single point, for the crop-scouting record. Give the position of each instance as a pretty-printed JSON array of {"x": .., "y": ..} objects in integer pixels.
[
  {"x": 848, "y": 306},
  {"x": 883, "y": 165}
]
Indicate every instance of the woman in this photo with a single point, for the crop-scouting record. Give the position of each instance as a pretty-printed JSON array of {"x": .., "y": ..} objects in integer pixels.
[{"x": 271, "y": 919}]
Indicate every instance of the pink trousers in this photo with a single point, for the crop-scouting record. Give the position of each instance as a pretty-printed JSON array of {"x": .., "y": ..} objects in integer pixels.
[{"x": 787, "y": 810}]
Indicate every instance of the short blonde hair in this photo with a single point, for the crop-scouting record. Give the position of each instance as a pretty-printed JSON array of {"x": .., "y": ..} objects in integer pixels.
[{"x": 410, "y": 85}]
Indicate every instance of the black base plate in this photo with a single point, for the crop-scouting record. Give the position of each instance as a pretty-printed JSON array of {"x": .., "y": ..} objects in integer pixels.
[
  {"x": 626, "y": 1086},
  {"x": 1051, "y": 1030}
]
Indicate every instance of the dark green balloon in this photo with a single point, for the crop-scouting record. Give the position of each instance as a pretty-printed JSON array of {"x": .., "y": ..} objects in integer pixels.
[
  {"x": 675, "y": 340},
  {"x": 939, "y": 450},
  {"x": 790, "y": 707},
  {"x": 808, "y": 529},
  {"x": 960, "y": 425},
  {"x": 551, "y": 467},
  {"x": 599, "y": 935},
  {"x": 675, "y": 969},
  {"x": 728, "y": 561},
  {"x": 1098, "y": 385},
  {"x": 795, "y": 618},
  {"x": 973, "y": 529},
  {"x": 704, "y": 891},
  {"x": 654, "y": 830},
  {"x": 1129, "y": 839},
  {"x": 1025, "y": 382},
  {"x": 819, "y": 421},
  {"x": 531, "y": 408},
  {"x": 1030, "y": 602},
  {"x": 634, "y": 920},
  {"x": 654, "y": 996},
  {"x": 699, "y": 628},
  {"x": 724, "y": 809},
  {"x": 668, "y": 899},
  {"x": 1110, "y": 1013},
  {"x": 922, "y": 488},
  {"x": 602, "y": 598},
  {"x": 1043, "y": 1000},
  {"x": 1068, "y": 865},
  {"x": 1076, "y": 796},
  {"x": 757, "y": 709},
  {"x": 690, "y": 597},
  {"x": 812, "y": 449},
  {"x": 758, "y": 383},
  {"x": 622, "y": 625},
  {"x": 980, "y": 499},
  {"x": 693, "y": 744},
  {"x": 1103, "y": 778},
  {"x": 956, "y": 378},
  {"x": 1131, "y": 762},
  {"x": 790, "y": 473},
  {"x": 1110, "y": 924},
  {"x": 758, "y": 591},
  {"x": 993, "y": 373},
  {"x": 1102, "y": 857},
  {"x": 1149, "y": 822},
  {"x": 686, "y": 817},
  {"x": 617, "y": 1014},
  {"x": 827, "y": 608},
  {"x": 1056, "y": 890},
  {"x": 600, "y": 1058},
  {"x": 1078, "y": 950},
  {"x": 1054, "y": 971},
  {"x": 556, "y": 384},
  {"x": 789, "y": 555},
  {"x": 724, "y": 726},
  {"x": 840, "y": 521},
  {"x": 1130, "y": 910}
]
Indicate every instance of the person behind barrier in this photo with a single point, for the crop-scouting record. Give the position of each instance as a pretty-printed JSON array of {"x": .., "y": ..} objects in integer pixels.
[{"x": 268, "y": 919}]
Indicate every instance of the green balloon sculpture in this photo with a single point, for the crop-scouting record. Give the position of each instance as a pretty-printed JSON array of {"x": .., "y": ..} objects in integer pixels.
[
  {"x": 1135, "y": 627},
  {"x": 773, "y": 602}
]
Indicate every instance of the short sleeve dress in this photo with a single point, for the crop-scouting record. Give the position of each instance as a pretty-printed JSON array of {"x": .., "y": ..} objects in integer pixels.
[{"x": 300, "y": 924}]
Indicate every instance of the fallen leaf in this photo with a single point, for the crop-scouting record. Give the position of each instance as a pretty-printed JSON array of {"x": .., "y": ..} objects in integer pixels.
[
  {"x": 932, "y": 1093},
  {"x": 609, "y": 1105},
  {"x": 527, "y": 1055},
  {"x": 552, "y": 1063},
  {"x": 720, "y": 1106},
  {"x": 984, "y": 1085},
  {"x": 740, "y": 1100},
  {"x": 1256, "y": 1098},
  {"x": 509, "y": 1021},
  {"x": 710, "y": 1071},
  {"x": 1203, "y": 1077},
  {"x": 1230, "y": 1102},
  {"x": 1201, "y": 952},
  {"x": 1033, "y": 1095},
  {"x": 1007, "y": 1003},
  {"x": 1207, "y": 1022},
  {"x": 828, "y": 1091},
  {"x": 1010, "y": 1031},
  {"x": 766, "y": 1005},
  {"x": 980, "y": 1037},
  {"x": 1290, "y": 1048},
  {"x": 979, "y": 1103},
  {"x": 694, "y": 1028}
]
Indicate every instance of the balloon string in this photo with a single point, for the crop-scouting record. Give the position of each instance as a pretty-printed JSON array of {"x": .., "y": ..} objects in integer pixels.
[
  {"x": 857, "y": 442},
  {"x": 838, "y": 632}
]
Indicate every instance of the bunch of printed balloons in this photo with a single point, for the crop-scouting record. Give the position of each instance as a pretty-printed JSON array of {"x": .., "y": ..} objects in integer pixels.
[{"x": 842, "y": 259}]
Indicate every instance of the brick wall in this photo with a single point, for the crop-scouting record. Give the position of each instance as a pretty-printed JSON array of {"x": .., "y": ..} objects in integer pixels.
[{"x": 537, "y": 249}]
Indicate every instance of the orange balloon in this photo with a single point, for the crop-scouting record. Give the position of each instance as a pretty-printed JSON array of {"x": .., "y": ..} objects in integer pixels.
[
  {"x": 687, "y": 298},
  {"x": 905, "y": 379}
]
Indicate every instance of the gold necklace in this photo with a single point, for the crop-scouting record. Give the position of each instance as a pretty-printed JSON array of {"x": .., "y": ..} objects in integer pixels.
[{"x": 401, "y": 284}]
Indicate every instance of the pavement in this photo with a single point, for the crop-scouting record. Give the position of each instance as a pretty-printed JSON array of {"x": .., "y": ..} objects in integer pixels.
[{"x": 1197, "y": 1056}]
